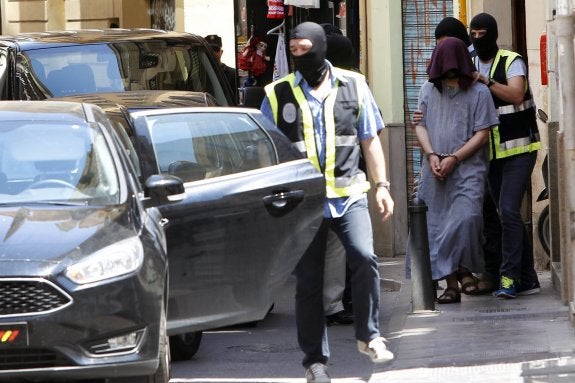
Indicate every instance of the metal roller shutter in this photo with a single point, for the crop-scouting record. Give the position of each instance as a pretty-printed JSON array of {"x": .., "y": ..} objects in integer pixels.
[{"x": 419, "y": 20}]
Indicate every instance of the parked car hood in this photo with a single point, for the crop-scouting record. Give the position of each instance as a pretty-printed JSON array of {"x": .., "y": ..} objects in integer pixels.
[{"x": 57, "y": 236}]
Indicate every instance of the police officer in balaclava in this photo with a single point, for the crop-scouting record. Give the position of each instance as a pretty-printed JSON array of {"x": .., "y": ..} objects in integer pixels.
[
  {"x": 514, "y": 143},
  {"x": 331, "y": 117},
  {"x": 485, "y": 45},
  {"x": 308, "y": 47}
]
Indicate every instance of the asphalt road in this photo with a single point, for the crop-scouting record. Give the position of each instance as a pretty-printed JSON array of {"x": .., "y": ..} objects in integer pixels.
[{"x": 268, "y": 352}]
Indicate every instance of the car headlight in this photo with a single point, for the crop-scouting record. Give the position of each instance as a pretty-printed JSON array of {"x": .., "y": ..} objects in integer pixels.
[{"x": 121, "y": 258}]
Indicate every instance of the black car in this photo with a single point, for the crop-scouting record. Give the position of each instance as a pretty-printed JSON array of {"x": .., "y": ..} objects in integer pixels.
[
  {"x": 83, "y": 264},
  {"x": 41, "y": 65},
  {"x": 251, "y": 208}
]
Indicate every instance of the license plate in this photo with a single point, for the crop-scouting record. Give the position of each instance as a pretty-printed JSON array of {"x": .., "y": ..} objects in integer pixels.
[{"x": 13, "y": 335}]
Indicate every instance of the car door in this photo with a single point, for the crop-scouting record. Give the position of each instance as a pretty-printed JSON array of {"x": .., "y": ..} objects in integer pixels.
[{"x": 251, "y": 208}]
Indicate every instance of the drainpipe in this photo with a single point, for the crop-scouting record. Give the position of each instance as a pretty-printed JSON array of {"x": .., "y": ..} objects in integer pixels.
[
  {"x": 566, "y": 68},
  {"x": 462, "y": 13}
]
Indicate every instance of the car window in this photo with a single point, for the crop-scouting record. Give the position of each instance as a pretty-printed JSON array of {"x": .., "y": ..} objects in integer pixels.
[
  {"x": 56, "y": 161},
  {"x": 196, "y": 146},
  {"x": 123, "y": 66}
]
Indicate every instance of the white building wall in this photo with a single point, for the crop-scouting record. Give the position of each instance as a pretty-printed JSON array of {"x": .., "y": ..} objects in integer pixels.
[
  {"x": 382, "y": 62},
  {"x": 210, "y": 17}
]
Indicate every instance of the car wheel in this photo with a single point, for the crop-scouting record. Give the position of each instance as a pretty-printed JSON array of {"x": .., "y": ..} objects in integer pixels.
[
  {"x": 543, "y": 230},
  {"x": 184, "y": 346},
  {"x": 162, "y": 374}
]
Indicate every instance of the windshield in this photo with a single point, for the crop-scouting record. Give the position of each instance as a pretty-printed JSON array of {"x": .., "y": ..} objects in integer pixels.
[
  {"x": 56, "y": 162},
  {"x": 121, "y": 66}
]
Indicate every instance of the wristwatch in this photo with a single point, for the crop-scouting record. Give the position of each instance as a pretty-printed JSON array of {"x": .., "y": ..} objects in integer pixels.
[
  {"x": 383, "y": 184},
  {"x": 490, "y": 82}
]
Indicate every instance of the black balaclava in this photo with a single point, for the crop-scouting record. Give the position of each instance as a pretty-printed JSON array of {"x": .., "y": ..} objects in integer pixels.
[
  {"x": 339, "y": 51},
  {"x": 486, "y": 46},
  {"x": 452, "y": 27},
  {"x": 311, "y": 65}
]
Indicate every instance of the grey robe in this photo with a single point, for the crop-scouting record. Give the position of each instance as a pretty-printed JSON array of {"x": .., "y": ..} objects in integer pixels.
[{"x": 454, "y": 216}]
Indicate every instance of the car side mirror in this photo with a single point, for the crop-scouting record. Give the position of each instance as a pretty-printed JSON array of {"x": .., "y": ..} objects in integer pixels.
[{"x": 163, "y": 189}]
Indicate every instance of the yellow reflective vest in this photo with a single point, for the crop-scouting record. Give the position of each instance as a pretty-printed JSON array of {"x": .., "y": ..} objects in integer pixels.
[
  {"x": 292, "y": 115},
  {"x": 517, "y": 131}
]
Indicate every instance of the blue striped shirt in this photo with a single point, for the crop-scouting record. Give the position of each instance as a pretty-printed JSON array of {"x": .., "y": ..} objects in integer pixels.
[{"x": 369, "y": 123}]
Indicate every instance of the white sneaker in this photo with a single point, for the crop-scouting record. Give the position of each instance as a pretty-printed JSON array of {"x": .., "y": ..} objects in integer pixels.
[
  {"x": 376, "y": 350},
  {"x": 317, "y": 373}
]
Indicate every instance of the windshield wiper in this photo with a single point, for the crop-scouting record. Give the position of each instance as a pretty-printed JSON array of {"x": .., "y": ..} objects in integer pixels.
[{"x": 57, "y": 203}]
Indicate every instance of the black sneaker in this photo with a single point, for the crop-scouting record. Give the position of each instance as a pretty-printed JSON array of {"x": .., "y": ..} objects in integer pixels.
[
  {"x": 528, "y": 288},
  {"x": 340, "y": 317}
]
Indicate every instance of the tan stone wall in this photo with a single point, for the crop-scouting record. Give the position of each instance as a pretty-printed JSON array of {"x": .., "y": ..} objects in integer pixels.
[
  {"x": 24, "y": 16},
  {"x": 135, "y": 14},
  {"x": 42, "y": 15}
]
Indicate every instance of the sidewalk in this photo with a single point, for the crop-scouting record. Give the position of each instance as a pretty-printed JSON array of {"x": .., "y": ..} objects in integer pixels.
[{"x": 481, "y": 339}]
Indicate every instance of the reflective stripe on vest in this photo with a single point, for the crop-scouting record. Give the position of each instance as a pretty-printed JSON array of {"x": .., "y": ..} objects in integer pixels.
[
  {"x": 511, "y": 147},
  {"x": 507, "y": 109}
]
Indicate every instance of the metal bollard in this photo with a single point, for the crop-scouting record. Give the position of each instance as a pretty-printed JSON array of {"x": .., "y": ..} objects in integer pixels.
[{"x": 423, "y": 292}]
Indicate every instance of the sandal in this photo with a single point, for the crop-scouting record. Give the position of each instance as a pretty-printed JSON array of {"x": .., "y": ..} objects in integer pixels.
[
  {"x": 468, "y": 283},
  {"x": 450, "y": 295}
]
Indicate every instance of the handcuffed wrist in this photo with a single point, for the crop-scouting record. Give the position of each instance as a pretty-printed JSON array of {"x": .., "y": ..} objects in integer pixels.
[{"x": 443, "y": 155}]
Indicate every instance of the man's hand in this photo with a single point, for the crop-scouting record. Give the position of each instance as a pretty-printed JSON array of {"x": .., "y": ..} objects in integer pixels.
[
  {"x": 384, "y": 203},
  {"x": 442, "y": 167},
  {"x": 446, "y": 167},
  {"x": 435, "y": 166},
  {"x": 417, "y": 116}
]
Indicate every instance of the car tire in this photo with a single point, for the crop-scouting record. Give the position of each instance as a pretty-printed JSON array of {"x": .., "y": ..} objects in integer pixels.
[
  {"x": 184, "y": 346},
  {"x": 162, "y": 374},
  {"x": 543, "y": 231}
]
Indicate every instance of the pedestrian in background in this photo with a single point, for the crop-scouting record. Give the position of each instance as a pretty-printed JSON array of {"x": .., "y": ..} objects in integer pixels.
[
  {"x": 453, "y": 133},
  {"x": 336, "y": 285},
  {"x": 215, "y": 42},
  {"x": 339, "y": 47},
  {"x": 514, "y": 144},
  {"x": 330, "y": 116}
]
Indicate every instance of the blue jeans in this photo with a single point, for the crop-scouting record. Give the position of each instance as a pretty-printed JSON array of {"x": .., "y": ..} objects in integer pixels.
[
  {"x": 355, "y": 232},
  {"x": 508, "y": 181}
]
